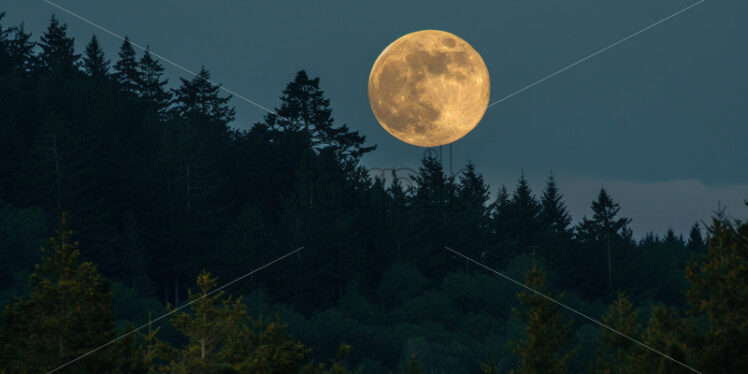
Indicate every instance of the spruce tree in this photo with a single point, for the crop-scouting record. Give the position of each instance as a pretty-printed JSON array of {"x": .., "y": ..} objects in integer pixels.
[
  {"x": 522, "y": 218},
  {"x": 672, "y": 335},
  {"x": 152, "y": 87},
  {"x": 616, "y": 353},
  {"x": 20, "y": 50},
  {"x": 67, "y": 314},
  {"x": 200, "y": 99},
  {"x": 57, "y": 49},
  {"x": 221, "y": 338},
  {"x": 470, "y": 212},
  {"x": 555, "y": 224},
  {"x": 95, "y": 63},
  {"x": 606, "y": 231},
  {"x": 554, "y": 214},
  {"x": 305, "y": 109},
  {"x": 126, "y": 69},
  {"x": 718, "y": 292},
  {"x": 696, "y": 243},
  {"x": 541, "y": 351}
]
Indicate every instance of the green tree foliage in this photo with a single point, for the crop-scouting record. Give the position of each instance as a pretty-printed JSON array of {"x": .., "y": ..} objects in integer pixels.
[
  {"x": 718, "y": 292},
  {"x": 67, "y": 314},
  {"x": 672, "y": 335},
  {"x": 616, "y": 352},
  {"x": 158, "y": 185},
  {"x": 542, "y": 350}
]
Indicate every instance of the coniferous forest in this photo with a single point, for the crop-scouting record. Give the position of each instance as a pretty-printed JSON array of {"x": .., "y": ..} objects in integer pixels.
[{"x": 124, "y": 196}]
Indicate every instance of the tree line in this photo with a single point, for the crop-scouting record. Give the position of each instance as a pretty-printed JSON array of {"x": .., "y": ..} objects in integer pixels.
[{"x": 160, "y": 188}]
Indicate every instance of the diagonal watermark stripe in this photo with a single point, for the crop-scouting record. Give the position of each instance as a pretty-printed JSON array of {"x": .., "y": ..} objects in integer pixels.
[
  {"x": 174, "y": 311},
  {"x": 571, "y": 309},
  {"x": 599, "y": 51},
  {"x": 178, "y": 66},
  {"x": 507, "y": 97},
  {"x": 581, "y": 60}
]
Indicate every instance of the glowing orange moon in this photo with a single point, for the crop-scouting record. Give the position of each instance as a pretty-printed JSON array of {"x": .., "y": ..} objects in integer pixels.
[{"x": 429, "y": 88}]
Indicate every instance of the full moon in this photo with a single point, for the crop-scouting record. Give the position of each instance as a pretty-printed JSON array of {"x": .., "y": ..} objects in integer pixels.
[{"x": 429, "y": 88}]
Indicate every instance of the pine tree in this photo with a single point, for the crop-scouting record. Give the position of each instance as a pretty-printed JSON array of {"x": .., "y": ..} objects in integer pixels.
[
  {"x": 616, "y": 353},
  {"x": 21, "y": 51},
  {"x": 57, "y": 49},
  {"x": 547, "y": 332},
  {"x": 212, "y": 323},
  {"x": 718, "y": 291},
  {"x": 126, "y": 69},
  {"x": 305, "y": 109},
  {"x": 199, "y": 99},
  {"x": 553, "y": 213},
  {"x": 555, "y": 224},
  {"x": 606, "y": 230},
  {"x": 470, "y": 212},
  {"x": 95, "y": 63},
  {"x": 152, "y": 87},
  {"x": 696, "y": 243},
  {"x": 220, "y": 338},
  {"x": 67, "y": 314},
  {"x": 673, "y": 336},
  {"x": 522, "y": 220}
]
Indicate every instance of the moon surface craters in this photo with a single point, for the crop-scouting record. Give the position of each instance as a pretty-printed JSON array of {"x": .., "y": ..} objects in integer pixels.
[{"x": 427, "y": 87}]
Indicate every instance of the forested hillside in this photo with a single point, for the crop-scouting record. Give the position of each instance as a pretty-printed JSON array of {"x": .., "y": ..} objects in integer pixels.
[{"x": 143, "y": 196}]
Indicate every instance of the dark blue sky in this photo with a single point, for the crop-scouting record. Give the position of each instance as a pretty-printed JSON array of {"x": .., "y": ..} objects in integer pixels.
[{"x": 660, "y": 120}]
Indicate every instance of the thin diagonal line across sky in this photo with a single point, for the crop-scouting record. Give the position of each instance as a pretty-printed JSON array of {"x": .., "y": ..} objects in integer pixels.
[
  {"x": 173, "y": 311},
  {"x": 599, "y": 51},
  {"x": 120, "y": 37},
  {"x": 571, "y": 309},
  {"x": 517, "y": 92}
]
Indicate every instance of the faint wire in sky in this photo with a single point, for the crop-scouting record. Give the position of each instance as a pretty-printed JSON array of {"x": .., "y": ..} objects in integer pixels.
[
  {"x": 541, "y": 80},
  {"x": 175, "y": 310},
  {"x": 549, "y": 76},
  {"x": 120, "y": 37},
  {"x": 575, "y": 63},
  {"x": 571, "y": 309}
]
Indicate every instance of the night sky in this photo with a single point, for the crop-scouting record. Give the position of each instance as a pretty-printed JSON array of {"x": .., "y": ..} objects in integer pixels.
[{"x": 661, "y": 121}]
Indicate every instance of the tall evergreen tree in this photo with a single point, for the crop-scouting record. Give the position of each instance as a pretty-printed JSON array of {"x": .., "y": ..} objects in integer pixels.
[
  {"x": 95, "y": 63},
  {"x": 57, "y": 48},
  {"x": 152, "y": 87},
  {"x": 555, "y": 224},
  {"x": 471, "y": 212},
  {"x": 305, "y": 109},
  {"x": 554, "y": 214},
  {"x": 20, "y": 50},
  {"x": 616, "y": 353},
  {"x": 220, "y": 338},
  {"x": 718, "y": 292},
  {"x": 696, "y": 242},
  {"x": 199, "y": 98},
  {"x": 541, "y": 351},
  {"x": 522, "y": 220},
  {"x": 126, "y": 69},
  {"x": 67, "y": 314},
  {"x": 606, "y": 230}
]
